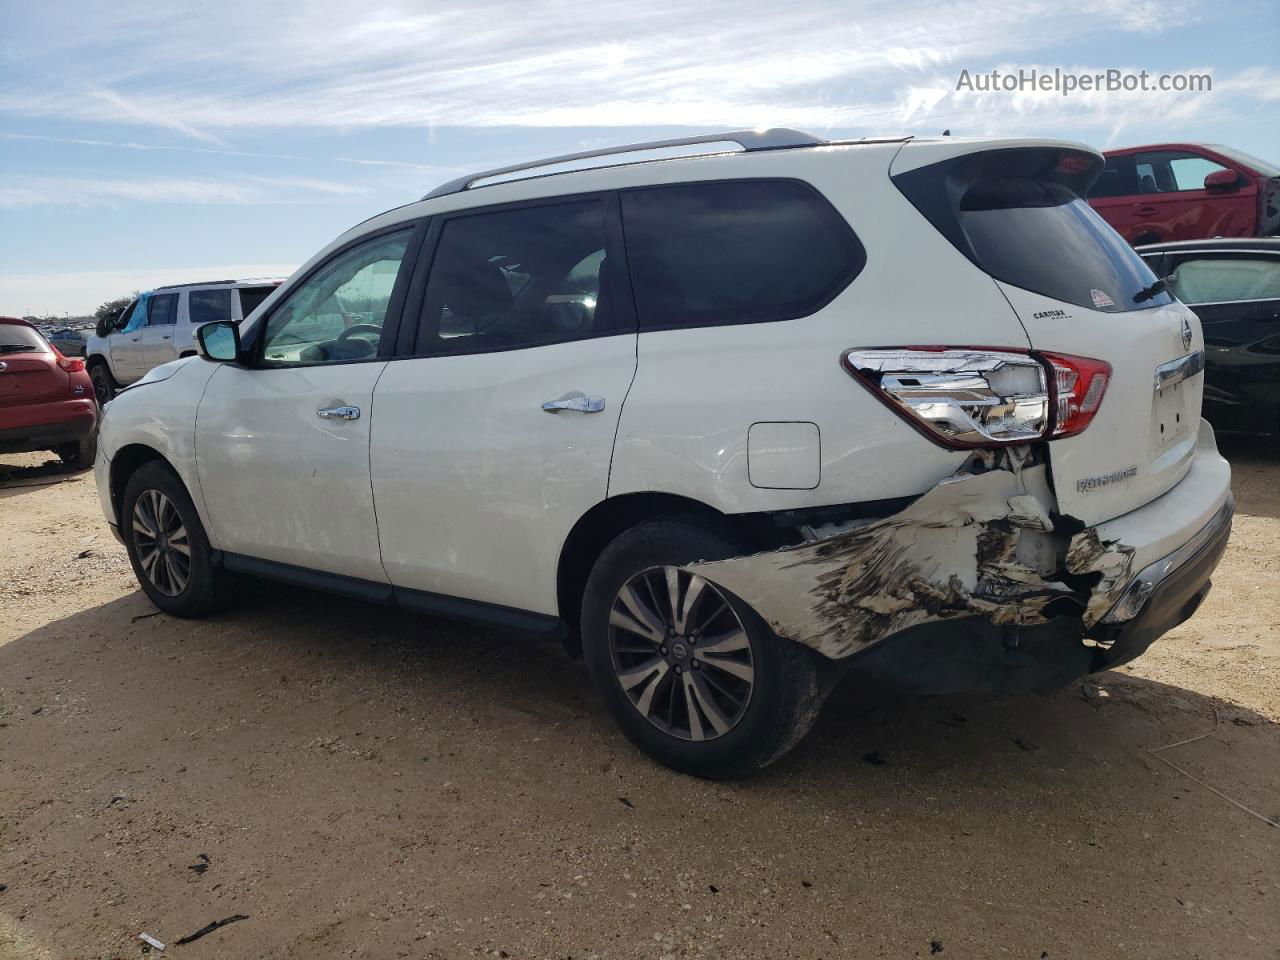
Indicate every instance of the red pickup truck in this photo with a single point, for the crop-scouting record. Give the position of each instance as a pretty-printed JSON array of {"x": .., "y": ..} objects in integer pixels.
[{"x": 1187, "y": 191}]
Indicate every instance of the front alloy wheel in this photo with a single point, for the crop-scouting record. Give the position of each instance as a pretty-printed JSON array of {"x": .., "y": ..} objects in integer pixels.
[
  {"x": 681, "y": 653},
  {"x": 160, "y": 537}
]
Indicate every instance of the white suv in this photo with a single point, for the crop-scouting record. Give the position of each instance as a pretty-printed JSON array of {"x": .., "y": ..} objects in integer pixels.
[
  {"x": 160, "y": 326},
  {"x": 728, "y": 422}
]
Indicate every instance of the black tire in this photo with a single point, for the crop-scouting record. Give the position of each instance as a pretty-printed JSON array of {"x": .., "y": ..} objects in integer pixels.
[
  {"x": 207, "y": 586},
  {"x": 104, "y": 384},
  {"x": 783, "y": 698},
  {"x": 80, "y": 454}
]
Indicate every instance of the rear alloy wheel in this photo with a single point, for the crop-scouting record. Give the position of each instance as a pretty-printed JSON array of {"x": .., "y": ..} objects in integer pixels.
[
  {"x": 691, "y": 674},
  {"x": 167, "y": 545},
  {"x": 680, "y": 653}
]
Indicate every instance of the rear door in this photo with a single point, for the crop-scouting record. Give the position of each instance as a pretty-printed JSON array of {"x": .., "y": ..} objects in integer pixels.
[
  {"x": 494, "y": 433},
  {"x": 125, "y": 343}
]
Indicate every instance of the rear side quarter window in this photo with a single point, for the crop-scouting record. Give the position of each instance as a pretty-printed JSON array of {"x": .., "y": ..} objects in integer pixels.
[
  {"x": 206, "y": 306},
  {"x": 735, "y": 251}
]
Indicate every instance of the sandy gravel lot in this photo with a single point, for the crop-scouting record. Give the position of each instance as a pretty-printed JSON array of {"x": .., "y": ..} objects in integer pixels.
[{"x": 365, "y": 783}]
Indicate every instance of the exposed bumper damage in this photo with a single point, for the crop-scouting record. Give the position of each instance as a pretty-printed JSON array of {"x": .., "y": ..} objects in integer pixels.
[{"x": 985, "y": 541}]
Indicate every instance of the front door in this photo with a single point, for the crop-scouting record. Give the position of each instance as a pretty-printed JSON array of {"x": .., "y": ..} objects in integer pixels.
[
  {"x": 1176, "y": 206},
  {"x": 157, "y": 335},
  {"x": 496, "y": 435},
  {"x": 125, "y": 343},
  {"x": 282, "y": 441}
]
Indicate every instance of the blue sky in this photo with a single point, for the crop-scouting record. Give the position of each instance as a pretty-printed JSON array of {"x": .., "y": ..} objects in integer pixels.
[{"x": 145, "y": 143}]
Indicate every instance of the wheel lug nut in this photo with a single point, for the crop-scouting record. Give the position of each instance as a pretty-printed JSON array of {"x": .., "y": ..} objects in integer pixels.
[
  {"x": 663, "y": 651},
  {"x": 677, "y": 670},
  {"x": 696, "y": 664}
]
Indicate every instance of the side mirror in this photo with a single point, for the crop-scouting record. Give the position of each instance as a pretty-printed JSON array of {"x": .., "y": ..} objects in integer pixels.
[
  {"x": 1221, "y": 180},
  {"x": 219, "y": 342}
]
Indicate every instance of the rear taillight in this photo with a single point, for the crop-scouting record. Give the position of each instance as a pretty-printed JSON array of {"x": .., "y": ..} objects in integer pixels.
[
  {"x": 70, "y": 364},
  {"x": 965, "y": 397},
  {"x": 1078, "y": 386}
]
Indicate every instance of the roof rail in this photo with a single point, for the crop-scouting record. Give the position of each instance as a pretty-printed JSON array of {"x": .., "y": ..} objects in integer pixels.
[{"x": 777, "y": 138}]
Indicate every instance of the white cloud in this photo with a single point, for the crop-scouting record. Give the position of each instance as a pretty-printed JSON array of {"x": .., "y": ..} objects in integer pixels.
[
  {"x": 493, "y": 63},
  {"x": 80, "y": 293},
  {"x": 40, "y": 191}
]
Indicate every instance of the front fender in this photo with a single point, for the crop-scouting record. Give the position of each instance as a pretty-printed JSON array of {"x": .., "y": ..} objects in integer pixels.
[{"x": 158, "y": 413}]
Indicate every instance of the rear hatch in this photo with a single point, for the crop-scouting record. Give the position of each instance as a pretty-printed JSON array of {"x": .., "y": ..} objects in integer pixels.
[
  {"x": 29, "y": 373},
  {"x": 1079, "y": 289}
]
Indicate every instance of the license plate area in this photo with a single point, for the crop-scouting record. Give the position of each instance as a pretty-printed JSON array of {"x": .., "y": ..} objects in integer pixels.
[{"x": 1170, "y": 420}]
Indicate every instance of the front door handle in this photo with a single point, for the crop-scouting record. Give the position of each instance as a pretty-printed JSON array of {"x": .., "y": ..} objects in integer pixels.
[
  {"x": 1146, "y": 211},
  {"x": 338, "y": 413},
  {"x": 580, "y": 404}
]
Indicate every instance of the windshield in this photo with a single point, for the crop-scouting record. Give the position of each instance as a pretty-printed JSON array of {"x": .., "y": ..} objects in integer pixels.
[
  {"x": 1248, "y": 160},
  {"x": 16, "y": 338}
]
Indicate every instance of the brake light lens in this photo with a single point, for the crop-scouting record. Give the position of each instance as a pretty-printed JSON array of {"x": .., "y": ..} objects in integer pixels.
[
  {"x": 70, "y": 364},
  {"x": 967, "y": 397},
  {"x": 1079, "y": 384}
]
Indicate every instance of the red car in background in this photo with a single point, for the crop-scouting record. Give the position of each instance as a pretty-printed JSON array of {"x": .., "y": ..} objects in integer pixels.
[
  {"x": 1187, "y": 191},
  {"x": 46, "y": 399}
]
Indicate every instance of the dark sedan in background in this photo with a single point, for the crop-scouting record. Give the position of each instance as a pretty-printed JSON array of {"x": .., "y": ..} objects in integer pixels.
[{"x": 1233, "y": 285}]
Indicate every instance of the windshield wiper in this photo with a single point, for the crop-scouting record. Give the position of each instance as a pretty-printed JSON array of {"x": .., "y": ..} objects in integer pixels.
[
  {"x": 18, "y": 348},
  {"x": 1157, "y": 288}
]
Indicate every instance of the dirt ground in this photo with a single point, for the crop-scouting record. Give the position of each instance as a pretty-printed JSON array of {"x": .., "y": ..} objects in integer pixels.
[{"x": 367, "y": 783}]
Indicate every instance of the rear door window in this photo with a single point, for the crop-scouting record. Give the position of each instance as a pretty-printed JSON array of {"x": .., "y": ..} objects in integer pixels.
[
  {"x": 520, "y": 277},
  {"x": 206, "y": 306},
  {"x": 735, "y": 251}
]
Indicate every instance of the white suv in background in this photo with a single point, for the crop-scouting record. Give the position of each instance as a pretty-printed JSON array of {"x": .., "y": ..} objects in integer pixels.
[
  {"x": 729, "y": 423},
  {"x": 117, "y": 357}
]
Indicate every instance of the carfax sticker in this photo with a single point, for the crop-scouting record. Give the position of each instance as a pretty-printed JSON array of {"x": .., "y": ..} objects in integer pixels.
[{"x": 1100, "y": 299}]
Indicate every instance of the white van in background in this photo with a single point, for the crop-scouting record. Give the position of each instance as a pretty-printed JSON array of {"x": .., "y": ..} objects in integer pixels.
[{"x": 123, "y": 352}]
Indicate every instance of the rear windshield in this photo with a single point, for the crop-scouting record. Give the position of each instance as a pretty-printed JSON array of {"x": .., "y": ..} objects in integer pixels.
[
  {"x": 19, "y": 339},
  {"x": 1019, "y": 215},
  {"x": 1040, "y": 236},
  {"x": 251, "y": 298}
]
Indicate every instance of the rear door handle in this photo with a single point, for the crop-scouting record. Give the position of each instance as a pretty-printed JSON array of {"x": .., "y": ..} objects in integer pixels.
[
  {"x": 580, "y": 404},
  {"x": 1146, "y": 211},
  {"x": 338, "y": 413}
]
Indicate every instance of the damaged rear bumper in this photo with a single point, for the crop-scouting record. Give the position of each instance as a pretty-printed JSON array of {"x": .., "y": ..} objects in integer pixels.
[{"x": 981, "y": 580}]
